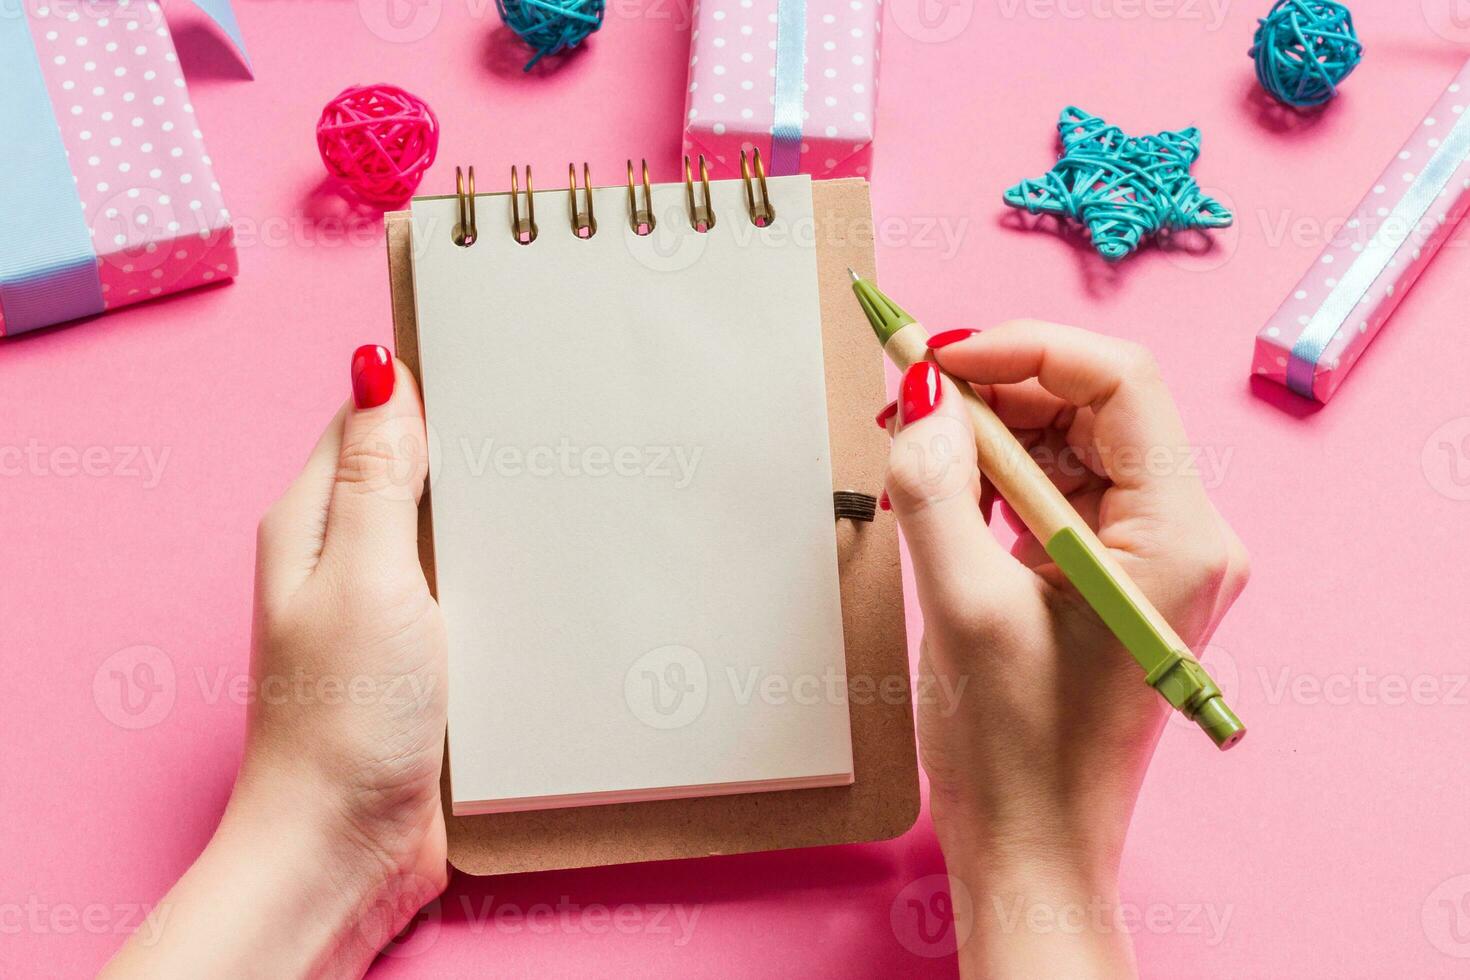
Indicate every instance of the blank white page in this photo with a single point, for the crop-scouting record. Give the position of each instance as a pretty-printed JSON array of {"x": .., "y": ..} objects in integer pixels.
[{"x": 632, "y": 500}]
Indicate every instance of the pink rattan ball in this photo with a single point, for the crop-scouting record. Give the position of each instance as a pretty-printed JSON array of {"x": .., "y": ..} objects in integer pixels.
[{"x": 378, "y": 140}]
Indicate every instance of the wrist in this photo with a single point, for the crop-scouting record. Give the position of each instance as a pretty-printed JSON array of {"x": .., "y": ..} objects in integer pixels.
[
  {"x": 1039, "y": 914},
  {"x": 1040, "y": 897},
  {"x": 1036, "y": 922},
  {"x": 1081, "y": 854},
  {"x": 333, "y": 896},
  {"x": 278, "y": 892}
]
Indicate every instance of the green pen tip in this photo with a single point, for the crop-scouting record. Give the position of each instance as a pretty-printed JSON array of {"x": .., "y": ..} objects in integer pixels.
[
  {"x": 886, "y": 316},
  {"x": 1220, "y": 723}
]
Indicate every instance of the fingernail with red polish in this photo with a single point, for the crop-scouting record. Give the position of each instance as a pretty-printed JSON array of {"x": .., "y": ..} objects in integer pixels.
[
  {"x": 889, "y": 410},
  {"x": 372, "y": 375},
  {"x": 883, "y": 503},
  {"x": 948, "y": 337},
  {"x": 919, "y": 393}
]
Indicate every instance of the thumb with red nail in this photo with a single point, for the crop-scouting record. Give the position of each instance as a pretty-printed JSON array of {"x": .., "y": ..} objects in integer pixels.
[{"x": 334, "y": 833}]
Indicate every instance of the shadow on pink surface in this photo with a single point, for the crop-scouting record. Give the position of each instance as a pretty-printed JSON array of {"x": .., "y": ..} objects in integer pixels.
[
  {"x": 205, "y": 54},
  {"x": 667, "y": 914}
]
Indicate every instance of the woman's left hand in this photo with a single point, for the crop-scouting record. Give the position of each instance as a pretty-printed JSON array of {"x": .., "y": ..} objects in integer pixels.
[{"x": 334, "y": 835}]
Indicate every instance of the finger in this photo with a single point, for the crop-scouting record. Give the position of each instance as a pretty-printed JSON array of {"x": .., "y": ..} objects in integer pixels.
[
  {"x": 1068, "y": 468},
  {"x": 289, "y": 539},
  {"x": 1156, "y": 514},
  {"x": 372, "y": 518},
  {"x": 1125, "y": 420},
  {"x": 1117, "y": 379},
  {"x": 1027, "y": 405},
  {"x": 963, "y": 574}
]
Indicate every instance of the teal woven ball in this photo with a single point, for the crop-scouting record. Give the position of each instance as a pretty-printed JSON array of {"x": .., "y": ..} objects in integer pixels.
[
  {"x": 550, "y": 26},
  {"x": 1304, "y": 49}
]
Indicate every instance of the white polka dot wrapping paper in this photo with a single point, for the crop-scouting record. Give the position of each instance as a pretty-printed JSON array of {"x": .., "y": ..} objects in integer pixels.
[
  {"x": 1369, "y": 264},
  {"x": 109, "y": 197},
  {"x": 794, "y": 79}
]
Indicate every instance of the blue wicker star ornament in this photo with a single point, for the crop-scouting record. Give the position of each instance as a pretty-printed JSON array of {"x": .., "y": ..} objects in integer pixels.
[{"x": 1123, "y": 188}]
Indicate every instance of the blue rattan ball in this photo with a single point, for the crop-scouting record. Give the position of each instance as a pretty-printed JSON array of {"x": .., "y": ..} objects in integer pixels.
[
  {"x": 551, "y": 26},
  {"x": 1304, "y": 49}
]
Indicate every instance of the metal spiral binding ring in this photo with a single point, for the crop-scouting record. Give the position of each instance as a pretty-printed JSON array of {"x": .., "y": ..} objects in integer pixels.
[
  {"x": 641, "y": 219},
  {"x": 584, "y": 224},
  {"x": 465, "y": 231},
  {"x": 701, "y": 216},
  {"x": 523, "y": 230},
  {"x": 761, "y": 214}
]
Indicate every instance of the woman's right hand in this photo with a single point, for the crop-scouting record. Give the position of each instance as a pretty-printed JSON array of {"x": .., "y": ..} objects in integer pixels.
[{"x": 1036, "y": 756}]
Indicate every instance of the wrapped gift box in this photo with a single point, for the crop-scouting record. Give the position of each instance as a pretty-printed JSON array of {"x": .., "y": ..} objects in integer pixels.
[
  {"x": 107, "y": 195},
  {"x": 1352, "y": 288},
  {"x": 795, "y": 79}
]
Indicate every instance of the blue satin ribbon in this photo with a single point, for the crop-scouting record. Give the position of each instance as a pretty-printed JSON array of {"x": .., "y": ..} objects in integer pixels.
[
  {"x": 790, "y": 78},
  {"x": 223, "y": 15},
  {"x": 1364, "y": 270},
  {"x": 48, "y": 263},
  {"x": 48, "y": 267}
]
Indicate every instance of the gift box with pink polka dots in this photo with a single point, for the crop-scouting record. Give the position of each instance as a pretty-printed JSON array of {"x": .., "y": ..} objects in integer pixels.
[
  {"x": 152, "y": 207},
  {"x": 733, "y": 84},
  {"x": 1373, "y": 256}
]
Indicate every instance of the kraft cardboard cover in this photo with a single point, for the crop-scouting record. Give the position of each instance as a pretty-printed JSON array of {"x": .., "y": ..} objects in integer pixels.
[{"x": 883, "y": 800}]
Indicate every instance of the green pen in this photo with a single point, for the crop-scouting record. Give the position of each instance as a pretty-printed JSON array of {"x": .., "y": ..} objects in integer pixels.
[{"x": 1168, "y": 665}]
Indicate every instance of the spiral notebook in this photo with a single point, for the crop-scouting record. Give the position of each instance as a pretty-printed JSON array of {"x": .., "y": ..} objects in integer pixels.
[{"x": 632, "y": 492}]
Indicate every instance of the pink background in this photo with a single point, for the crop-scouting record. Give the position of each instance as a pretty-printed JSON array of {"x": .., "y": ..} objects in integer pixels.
[{"x": 1332, "y": 842}]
